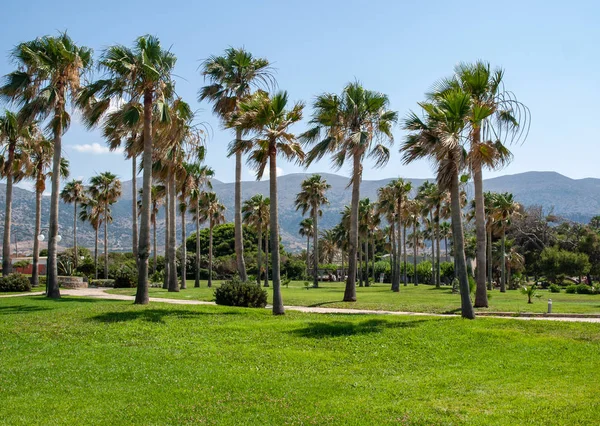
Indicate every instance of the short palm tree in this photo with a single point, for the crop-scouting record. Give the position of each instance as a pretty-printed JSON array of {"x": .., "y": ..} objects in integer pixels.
[
  {"x": 311, "y": 198},
  {"x": 351, "y": 126},
  {"x": 269, "y": 120},
  {"x": 232, "y": 77},
  {"x": 14, "y": 135},
  {"x": 445, "y": 233},
  {"x": 386, "y": 208},
  {"x": 48, "y": 76},
  {"x": 255, "y": 213},
  {"x": 106, "y": 189},
  {"x": 307, "y": 230},
  {"x": 92, "y": 212},
  {"x": 438, "y": 137},
  {"x": 400, "y": 189},
  {"x": 505, "y": 208},
  {"x": 211, "y": 210},
  {"x": 74, "y": 193},
  {"x": 158, "y": 197},
  {"x": 328, "y": 244}
]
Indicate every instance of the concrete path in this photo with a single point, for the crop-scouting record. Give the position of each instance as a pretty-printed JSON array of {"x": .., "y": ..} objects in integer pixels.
[{"x": 100, "y": 293}]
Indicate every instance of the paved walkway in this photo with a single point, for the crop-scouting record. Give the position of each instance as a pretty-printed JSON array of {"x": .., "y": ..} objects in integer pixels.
[{"x": 100, "y": 293}]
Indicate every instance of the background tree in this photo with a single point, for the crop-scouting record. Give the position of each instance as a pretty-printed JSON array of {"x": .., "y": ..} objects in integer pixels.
[
  {"x": 47, "y": 78},
  {"x": 105, "y": 188},
  {"x": 307, "y": 230},
  {"x": 255, "y": 212},
  {"x": 311, "y": 198},
  {"x": 74, "y": 193},
  {"x": 505, "y": 207},
  {"x": 270, "y": 121},
  {"x": 211, "y": 210},
  {"x": 351, "y": 126},
  {"x": 232, "y": 77},
  {"x": 92, "y": 212}
]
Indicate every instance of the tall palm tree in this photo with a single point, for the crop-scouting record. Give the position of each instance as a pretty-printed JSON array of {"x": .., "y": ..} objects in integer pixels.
[
  {"x": 414, "y": 208},
  {"x": 14, "y": 135},
  {"x": 307, "y": 230},
  {"x": 255, "y": 213},
  {"x": 38, "y": 159},
  {"x": 211, "y": 210},
  {"x": 496, "y": 117},
  {"x": 505, "y": 207},
  {"x": 386, "y": 205},
  {"x": 341, "y": 240},
  {"x": 106, "y": 189},
  {"x": 92, "y": 211},
  {"x": 141, "y": 74},
  {"x": 399, "y": 191},
  {"x": 74, "y": 192},
  {"x": 232, "y": 77},
  {"x": 328, "y": 245},
  {"x": 158, "y": 196},
  {"x": 351, "y": 126},
  {"x": 310, "y": 198},
  {"x": 267, "y": 117},
  {"x": 445, "y": 233},
  {"x": 432, "y": 199},
  {"x": 48, "y": 76},
  {"x": 438, "y": 138}
]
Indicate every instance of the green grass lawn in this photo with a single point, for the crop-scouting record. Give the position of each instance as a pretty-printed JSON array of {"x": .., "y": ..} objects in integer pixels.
[
  {"x": 423, "y": 298},
  {"x": 90, "y": 361}
]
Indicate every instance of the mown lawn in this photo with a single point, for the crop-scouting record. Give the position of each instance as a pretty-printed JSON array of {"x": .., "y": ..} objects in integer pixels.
[
  {"x": 89, "y": 361},
  {"x": 423, "y": 298}
]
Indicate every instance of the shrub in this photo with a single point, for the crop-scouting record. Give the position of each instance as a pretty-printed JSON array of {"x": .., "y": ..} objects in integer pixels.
[
  {"x": 583, "y": 289},
  {"x": 103, "y": 283},
  {"x": 237, "y": 293},
  {"x": 15, "y": 282},
  {"x": 157, "y": 277},
  {"x": 41, "y": 281},
  {"x": 447, "y": 271},
  {"x": 572, "y": 289},
  {"x": 125, "y": 276},
  {"x": 554, "y": 288}
]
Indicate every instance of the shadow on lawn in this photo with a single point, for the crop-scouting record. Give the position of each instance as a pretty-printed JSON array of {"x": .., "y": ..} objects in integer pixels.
[
  {"x": 345, "y": 328},
  {"x": 21, "y": 309},
  {"x": 152, "y": 315}
]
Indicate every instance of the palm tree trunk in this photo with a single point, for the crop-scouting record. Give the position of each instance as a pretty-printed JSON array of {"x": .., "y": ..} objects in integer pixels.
[
  {"x": 259, "y": 254},
  {"x": 489, "y": 257},
  {"x": 481, "y": 290},
  {"x": 307, "y": 255},
  {"x": 438, "y": 268},
  {"x": 393, "y": 257},
  {"x": 167, "y": 229},
  {"x": 400, "y": 250},
  {"x": 274, "y": 223},
  {"x": 342, "y": 251},
  {"x": 141, "y": 295},
  {"x": 405, "y": 255},
  {"x": 373, "y": 257},
  {"x": 367, "y": 284},
  {"x": 431, "y": 239},
  {"x": 154, "y": 254},
  {"x": 197, "y": 276},
  {"x": 52, "y": 268},
  {"x": 36, "y": 243},
  {"x": 446, "y": 248},
  {"x": 239, "y": 238},
  {"x": 183, "y": 253},
  {"x": 96, "y": 253},
  {"x": 134, "y": 208},
  {"x": 361, "y": 266},
  {"x": 267, "y": 257},
  {"x": 459, "y": 250},
  {"x": 350, "y": 291},
  {"x": 316, "y": 246},
  {"x": 106, "y": 241},
  {"x": 415, "y": 248},
  {"x": 503, "y": 261},
  {"x": 210, "y": 252},
  {"x": 173, "y": 284},
  {"x": 6, "y": 253}
]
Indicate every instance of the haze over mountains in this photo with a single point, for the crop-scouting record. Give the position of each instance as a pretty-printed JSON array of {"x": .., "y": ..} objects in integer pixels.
[{"x": 574, "y": 199}]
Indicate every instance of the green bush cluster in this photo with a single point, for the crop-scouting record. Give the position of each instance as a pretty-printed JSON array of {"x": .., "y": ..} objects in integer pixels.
[
  {"x": 15, "y": 282},
  {"x": 103, "y": 283},
  {"x": 554, "y": 288},
  {"x": 584, "y": 289},
  {"x": 238, "y": 293},
  {"x": 572, "y": 289}
]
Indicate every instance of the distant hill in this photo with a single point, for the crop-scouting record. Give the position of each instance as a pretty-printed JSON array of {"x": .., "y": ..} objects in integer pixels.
[{"x": 575, "y": 199}]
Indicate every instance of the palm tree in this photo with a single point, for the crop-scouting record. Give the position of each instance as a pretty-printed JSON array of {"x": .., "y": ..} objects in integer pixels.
[
  {"x": 341, "y": 241},
  {"x": 212, "y": 211},
  {"x": 496, "y": 117},
  {"x": 438, "y": 137},
  {"x": 255, "y": 213},
  {"x": 105, "y": 188},
  {"x": 38, "y": 159},
  {"x": 353, "y": 125},
  {"x": 399, "y": 190},
  {"x": 142, "y": 74},
  {"x": 74, "y": 192},
  {"x": 48, "y": 76},
  {"x": 157, "y": 196},
  {"x": 414, "y": 208},
  {"x": 14, "y": 135},
  {"x": 432, "y": 199},
  {"x": 311, "y": 198},
  {"x": 328, "y": 244},
  {"x": 445, "y": 233},
  {"x": 505, "y": 207},
  {"x": 307, "y": 230},
  {"x": 232, "y": 77},
  {"x": 270, "y": 121},
  {"x": 92, "y": 211}
]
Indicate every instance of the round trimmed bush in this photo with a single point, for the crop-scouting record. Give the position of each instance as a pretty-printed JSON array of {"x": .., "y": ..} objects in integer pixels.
[
  {"x": 15, "y": 282},
  {"x": 238, "y": 293}
]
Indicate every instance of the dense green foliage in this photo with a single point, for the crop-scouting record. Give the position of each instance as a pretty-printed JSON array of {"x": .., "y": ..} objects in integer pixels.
[
  {"x": 556, "y": 263},
  {"x": 237, "y": 293},
  {"x": 15, "y": 282}
]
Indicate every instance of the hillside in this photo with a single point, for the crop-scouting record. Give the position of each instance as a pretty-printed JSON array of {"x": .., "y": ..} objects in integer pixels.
[{"x": 575, "y": 199}]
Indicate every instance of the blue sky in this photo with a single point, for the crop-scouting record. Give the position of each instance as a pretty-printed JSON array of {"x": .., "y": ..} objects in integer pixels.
[{"x": 549, "y": 50}]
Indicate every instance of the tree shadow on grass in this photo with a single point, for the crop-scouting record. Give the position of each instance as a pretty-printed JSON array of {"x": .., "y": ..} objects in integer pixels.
[
  {"x": 315, "y": 305},
  {"x": 152, "y": 315},
  {"x": 21, "y": 309},
  {"x": 318, "y": 330}
]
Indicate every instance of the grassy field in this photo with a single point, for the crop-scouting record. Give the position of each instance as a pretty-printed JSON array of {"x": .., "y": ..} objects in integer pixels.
[
  {"x": 423, "y": 298},
  {"x": 89, "y": 361}
]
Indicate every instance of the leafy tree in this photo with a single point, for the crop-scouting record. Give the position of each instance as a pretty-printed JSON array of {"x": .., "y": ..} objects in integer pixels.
[{"x": 556, "y": 263}]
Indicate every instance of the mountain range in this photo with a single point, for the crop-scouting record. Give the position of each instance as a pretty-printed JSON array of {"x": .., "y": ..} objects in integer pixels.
[{"x": 574, "y": 199}]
